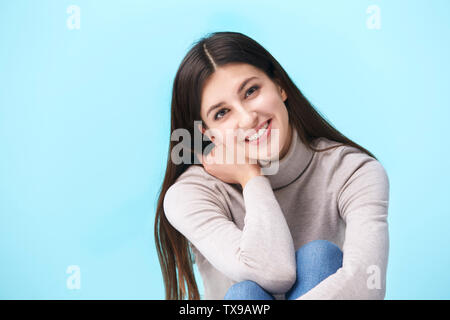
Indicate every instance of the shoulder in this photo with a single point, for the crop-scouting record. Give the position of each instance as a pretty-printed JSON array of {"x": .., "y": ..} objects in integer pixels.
[
  {"x": 195, "y": 177},
  {"x": 194, "y": 189},
  {"x": 351, "y": 168},
  {"x": 194, "y": 173},
  {"x": 346, "y": 159}
]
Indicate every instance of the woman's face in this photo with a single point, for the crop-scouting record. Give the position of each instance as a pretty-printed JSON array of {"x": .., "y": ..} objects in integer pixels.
[{"x": 242, "y": 111}]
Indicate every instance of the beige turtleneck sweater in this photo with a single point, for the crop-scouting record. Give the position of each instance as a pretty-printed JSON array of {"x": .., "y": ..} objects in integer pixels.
[{"x": 340, "y": 195}]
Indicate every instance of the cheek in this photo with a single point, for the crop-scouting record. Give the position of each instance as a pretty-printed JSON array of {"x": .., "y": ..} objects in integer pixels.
[
  {"x": 223, "y": 136},
  {"x": 269, "y": 103}
]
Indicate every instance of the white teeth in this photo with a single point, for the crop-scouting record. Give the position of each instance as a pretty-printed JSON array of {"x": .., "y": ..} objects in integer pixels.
[{"x": 260, "y": 132}]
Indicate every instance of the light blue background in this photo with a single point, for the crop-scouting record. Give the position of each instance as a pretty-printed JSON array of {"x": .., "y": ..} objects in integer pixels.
[{"x": 84, "y": 128}]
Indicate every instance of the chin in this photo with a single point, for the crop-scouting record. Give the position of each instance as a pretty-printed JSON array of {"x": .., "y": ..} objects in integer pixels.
[
  {"x": 269, "y": 151},
  {"x": 264, "y": 155}
]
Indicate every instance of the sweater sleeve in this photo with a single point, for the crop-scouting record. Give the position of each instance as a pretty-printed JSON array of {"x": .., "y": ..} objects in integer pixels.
[
  {"x": 263, "y": 251},
  {"x": 363, "y": 205}
]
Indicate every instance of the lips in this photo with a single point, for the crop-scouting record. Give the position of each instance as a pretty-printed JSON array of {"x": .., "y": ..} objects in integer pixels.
[{"x": 257, "y": 128}]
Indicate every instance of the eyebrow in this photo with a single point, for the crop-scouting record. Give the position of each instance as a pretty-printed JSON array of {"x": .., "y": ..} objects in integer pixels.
[{"x": 239, "y": 90}]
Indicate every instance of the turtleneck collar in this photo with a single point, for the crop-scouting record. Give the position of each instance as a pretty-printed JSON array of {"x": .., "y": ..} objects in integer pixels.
[{"x": 292, "y": 165}]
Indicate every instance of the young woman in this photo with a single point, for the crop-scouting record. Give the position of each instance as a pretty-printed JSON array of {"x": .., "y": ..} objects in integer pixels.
[{"x": 315, "y": 229}]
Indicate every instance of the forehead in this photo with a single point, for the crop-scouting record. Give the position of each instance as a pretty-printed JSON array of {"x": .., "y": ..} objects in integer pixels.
[{"x": 225, "y": 82}]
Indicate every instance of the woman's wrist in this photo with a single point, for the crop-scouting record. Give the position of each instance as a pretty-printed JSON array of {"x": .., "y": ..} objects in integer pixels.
[{"x": 250, "y": 175}]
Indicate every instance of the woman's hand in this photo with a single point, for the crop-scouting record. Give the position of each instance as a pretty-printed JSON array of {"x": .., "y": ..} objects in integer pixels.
[{"x": 229, "y": 170}]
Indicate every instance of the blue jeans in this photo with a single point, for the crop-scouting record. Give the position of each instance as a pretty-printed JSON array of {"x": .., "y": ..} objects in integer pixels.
[{"x": 316, "y": 260}]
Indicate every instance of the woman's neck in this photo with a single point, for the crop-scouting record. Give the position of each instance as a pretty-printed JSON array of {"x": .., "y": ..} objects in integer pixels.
[
  {"x": 291, "y": 165},
  {"x": 287, "y": 145}
]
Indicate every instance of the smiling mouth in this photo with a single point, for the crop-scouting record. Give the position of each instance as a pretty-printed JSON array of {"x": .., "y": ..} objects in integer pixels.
[{"x": 264, "y": 129}]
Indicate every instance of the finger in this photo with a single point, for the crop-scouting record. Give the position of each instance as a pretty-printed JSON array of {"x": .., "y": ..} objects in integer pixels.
[
  {"x": 203, "y": 159},
  {"x": 207, "y": 159}
]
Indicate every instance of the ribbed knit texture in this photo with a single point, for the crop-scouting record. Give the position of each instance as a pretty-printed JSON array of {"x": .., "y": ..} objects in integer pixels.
[{"x": 340, "y": 195}]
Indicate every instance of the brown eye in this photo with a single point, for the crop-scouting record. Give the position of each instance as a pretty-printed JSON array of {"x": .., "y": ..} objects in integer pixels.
[
  {"x": 215, "y": 116},
  {"x": 251, "y": 90},
  {"x": 254, "y": 87}
]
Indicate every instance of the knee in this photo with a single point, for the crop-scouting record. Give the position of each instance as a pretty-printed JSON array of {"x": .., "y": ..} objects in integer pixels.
[
  {"x": 320, "y": 249},
  {"x": 244, "y": 286},
  {"x": 316, "y": 260},
  {"x": 241, "y": 289}
]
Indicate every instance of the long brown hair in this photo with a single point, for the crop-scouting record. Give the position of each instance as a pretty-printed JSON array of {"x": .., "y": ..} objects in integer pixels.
[{"x": 205, "y": 56}]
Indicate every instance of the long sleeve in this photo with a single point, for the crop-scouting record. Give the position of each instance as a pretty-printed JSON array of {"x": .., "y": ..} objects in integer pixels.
[
  {"x": 363, "y": 205},
  {"x": 263, "y": 251}
]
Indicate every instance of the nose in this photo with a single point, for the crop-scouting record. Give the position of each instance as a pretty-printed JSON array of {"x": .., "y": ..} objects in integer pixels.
[{"x": 248, "y": 119}]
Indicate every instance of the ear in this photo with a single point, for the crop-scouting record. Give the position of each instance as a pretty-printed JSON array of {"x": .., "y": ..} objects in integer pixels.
[
  {"x": 282, "y": 91},
  {"x": 283, "y": 95},
  {"x": 202, "y": 130}
]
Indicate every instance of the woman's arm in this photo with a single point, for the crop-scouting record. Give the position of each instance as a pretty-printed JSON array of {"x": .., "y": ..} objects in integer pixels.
[
  {"x": 363, "y": 204},
  {"x": 262, "y": 252}
]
